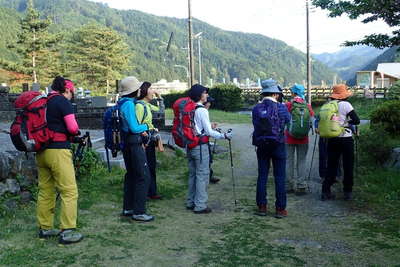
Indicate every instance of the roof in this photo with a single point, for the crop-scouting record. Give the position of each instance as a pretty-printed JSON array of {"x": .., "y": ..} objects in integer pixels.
[{"x": 393, "y": 69}]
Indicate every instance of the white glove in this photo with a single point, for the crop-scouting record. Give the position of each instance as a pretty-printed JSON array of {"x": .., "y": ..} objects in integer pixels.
[{"x": 228, "y": 135}]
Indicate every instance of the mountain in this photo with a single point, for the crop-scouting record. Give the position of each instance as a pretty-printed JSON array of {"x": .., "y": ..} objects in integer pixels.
[
  {"x": 349, "y": 60},
  {"x": 224, "y": 53}
]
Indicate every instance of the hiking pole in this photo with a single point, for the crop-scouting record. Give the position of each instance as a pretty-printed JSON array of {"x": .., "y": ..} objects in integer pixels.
[
  {"x": 357, "y": 135},
  {"x": 312, "y": 157},
  {"x": 108, "y": 159},
  {"x": 233, "y": 177}
]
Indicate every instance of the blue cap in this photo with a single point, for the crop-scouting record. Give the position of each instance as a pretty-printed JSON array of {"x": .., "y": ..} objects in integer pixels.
[
  {"x": 270, "y": 86},
  {"x": 298, "y": 89}
]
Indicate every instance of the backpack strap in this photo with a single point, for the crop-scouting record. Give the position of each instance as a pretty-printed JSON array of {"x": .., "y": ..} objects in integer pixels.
[{"x": 144, "y": 110}]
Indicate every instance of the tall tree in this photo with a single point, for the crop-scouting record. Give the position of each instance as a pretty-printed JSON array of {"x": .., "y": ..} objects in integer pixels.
[
  {"x": 36, "y": 46},
  {"x": 369, "y": 10},
  {"x": 97, "y": 55}
]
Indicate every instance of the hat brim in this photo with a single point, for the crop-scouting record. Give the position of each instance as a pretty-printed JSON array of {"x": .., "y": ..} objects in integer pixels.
[
  {"x": 128, "y": 92},
  {"x": 343, "y": 95}
]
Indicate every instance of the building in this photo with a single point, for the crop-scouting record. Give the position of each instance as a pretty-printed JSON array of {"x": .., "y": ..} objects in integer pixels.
[
  {"x": 165, "y": 87},
  {"x": 385, "y": 76}
]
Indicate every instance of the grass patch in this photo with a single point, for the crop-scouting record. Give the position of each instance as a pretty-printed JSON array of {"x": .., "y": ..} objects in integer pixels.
[{"x": 218, "y": 116}]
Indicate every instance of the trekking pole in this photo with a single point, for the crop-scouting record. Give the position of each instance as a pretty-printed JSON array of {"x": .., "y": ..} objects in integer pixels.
[
  {"x": 108, "y": 159},
  {"x": 357, "y": 135},
  {"x": 312, "y": 157},
  {"x": 233, "y": 177}
]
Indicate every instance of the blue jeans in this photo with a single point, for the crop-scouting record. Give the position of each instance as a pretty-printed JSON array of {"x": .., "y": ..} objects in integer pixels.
[{"x": 277, "y": 153}]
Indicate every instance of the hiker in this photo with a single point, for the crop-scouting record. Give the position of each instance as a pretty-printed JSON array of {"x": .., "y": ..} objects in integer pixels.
[
  {"x": 144, "y": 115},
  {"x": 55, "y": 166},
  {"x": 269, "y": 119},
  {"x": 137, "y": 177},
  {"x": 297, "y": 141},
  {"x": 213, "y": 179},
  {"x": 198, "y": 156},
  {"x": 342, "y": 145}
]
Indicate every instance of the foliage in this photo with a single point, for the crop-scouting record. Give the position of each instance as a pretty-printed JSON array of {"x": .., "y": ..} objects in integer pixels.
[
  {"x": 227, "y": 97},
  {"x": 394, "y": 91},
  {"x": 369, "y": 11},
  {"x": 364, "y": 106},
  {"x": 36, "y": 47},
  {"x": 90, "y": 161},
  {"x": 96, "y": 55},
  {"x": 170, "y": 98},
  {"x": 375, "y": 146},
  {"x": 387, "y": 116},
  {"x": 226, "y": 54}
]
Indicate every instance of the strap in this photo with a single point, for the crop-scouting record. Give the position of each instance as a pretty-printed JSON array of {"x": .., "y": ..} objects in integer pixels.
[{"x": 144, "y": 111}]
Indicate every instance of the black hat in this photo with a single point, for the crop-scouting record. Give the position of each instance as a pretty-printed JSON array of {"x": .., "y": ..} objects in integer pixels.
[{"x": 196, "y": 90}]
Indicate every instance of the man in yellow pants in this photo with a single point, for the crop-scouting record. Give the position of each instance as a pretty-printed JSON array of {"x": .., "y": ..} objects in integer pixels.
[{"x": 56, "y": 169}]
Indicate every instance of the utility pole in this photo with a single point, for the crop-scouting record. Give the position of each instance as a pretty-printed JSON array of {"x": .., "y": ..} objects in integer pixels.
[
  {"x": 198, "y": 37},
  {"x": 308, "y": 53},
  {"x": 191, "y": 65}
]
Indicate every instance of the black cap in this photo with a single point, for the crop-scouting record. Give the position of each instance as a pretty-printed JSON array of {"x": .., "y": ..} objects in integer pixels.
[{"x": 196, "y": 90}]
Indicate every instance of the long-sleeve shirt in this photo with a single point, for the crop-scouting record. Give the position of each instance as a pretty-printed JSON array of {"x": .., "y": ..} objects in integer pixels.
[
  {"x": 140, "y": 107},
  {"x": 202, "y": 123},
  {"x": 130, "y": 123}
]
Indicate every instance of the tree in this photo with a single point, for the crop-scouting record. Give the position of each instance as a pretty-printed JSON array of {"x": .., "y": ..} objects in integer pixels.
[
  {"x": 97, "y": 55},
  {"x": 369, "y": 10},
  {"x": 36, "y": 46}
]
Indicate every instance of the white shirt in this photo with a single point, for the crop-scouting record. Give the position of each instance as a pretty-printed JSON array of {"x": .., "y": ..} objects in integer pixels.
[
  {"x": 344, "y": 109},
  {"x": 202, "y": 123}
]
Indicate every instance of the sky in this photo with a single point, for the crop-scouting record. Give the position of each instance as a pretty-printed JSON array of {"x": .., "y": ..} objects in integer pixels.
[{"x": 280, "y": 19}]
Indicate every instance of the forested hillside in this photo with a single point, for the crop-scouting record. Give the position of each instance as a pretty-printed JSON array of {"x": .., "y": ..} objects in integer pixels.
[{"x": 225, "y": 54}]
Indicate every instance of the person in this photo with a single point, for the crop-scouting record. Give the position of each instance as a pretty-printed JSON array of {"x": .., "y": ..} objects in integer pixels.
[
  {"x": 341, "y": 146},
  {"x": 137, "y": 177},
  {"x": 298, "y": 145},
  {"x": 198, "y": 157},
  {"x": 55, "y": 167},
  {"x": 144, "y": 115},
  {"x": 214, "y": 125},
  {"x": 269, "y": 120}
]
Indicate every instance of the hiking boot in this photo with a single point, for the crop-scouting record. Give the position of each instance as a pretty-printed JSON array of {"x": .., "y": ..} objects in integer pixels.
[
  {"x": 348, "y": 196},
  {"x": 262, "y": 210},
  {"x": 327, "y": 196},
  {"x": 127, "y": 213},
  {"x": 70, "y": 236},
  {"x": 143, "y": 217},
  {"x": 155, "y": 197},
  {"x": 214, "y": 180},
  {"x": 44, "y": 234},
  {"x": 280, "y": 213},
  {"x": 203, "y": 211}
]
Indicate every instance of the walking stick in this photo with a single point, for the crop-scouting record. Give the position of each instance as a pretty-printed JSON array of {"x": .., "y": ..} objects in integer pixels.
[
  {"x": 312, "y": 157},
  {"x": 233, "y": 177},
  {"x": 357, "y": 135}
]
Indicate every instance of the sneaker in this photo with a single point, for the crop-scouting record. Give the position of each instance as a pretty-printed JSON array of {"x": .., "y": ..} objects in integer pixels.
[
  {"x": 214, "y": 180},
  {"x": 327, "y": 196},
  {"x": 203, "y": 211},
  {"x": 262, "y": 210},
  {"x": 143, "y": 217},
  {"x": 280, "y": 213},
  {"x": 127, "y": 213},
  {"x": 44, "y": 234},
  {"x": 155, "y": 197},
  {"x": 70, "y": 236},
  {"x": 348, "y": 196}
]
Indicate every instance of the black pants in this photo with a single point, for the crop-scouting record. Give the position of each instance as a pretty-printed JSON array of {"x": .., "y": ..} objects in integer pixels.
[
  {"x": 340, "y": 146},
  {"x": 152, "y": 162},
  {"x": 137, "y": 175}
]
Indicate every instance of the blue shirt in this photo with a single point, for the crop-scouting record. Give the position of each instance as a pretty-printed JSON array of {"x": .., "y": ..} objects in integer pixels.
[{"x": 130, "y": 123}]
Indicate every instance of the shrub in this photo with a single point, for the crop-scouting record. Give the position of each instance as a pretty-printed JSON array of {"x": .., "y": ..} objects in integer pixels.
[
  {"x": 227, "y": 97},
  {"x": 170, "y": 98},
  {"x": 394, "y": 91},
  {"x": 375, "y": 146},
  {"x": 387, "y": 116}
]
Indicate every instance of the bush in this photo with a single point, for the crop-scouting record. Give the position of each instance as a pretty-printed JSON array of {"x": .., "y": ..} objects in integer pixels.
[
  {"x": 387, "y": 116},
  {"x": 375, "y": 146},
  {"x": 170, "y": 98},
  {"x": 227, "y": 97},
  {"x": 394, "y": 91}
]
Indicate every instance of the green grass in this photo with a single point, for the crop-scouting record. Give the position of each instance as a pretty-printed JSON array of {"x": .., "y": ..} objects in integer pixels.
[{"x": 218, "y": 116}]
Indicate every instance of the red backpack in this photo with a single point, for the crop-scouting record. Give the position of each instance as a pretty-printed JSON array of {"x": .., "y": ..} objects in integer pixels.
[
  {"x": 183, "y": 130},
  {"x": 29, "y": 131}
]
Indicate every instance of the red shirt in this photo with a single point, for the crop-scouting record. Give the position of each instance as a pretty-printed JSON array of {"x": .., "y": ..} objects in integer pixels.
[{"x": 290, "y": 139}]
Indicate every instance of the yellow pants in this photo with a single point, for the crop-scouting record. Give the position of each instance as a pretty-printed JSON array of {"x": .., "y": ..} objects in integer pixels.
[{"x": 56, "y": 171}]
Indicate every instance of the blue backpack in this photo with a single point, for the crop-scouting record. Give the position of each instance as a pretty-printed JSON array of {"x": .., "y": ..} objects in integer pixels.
[{"x": 266, "y": 122}]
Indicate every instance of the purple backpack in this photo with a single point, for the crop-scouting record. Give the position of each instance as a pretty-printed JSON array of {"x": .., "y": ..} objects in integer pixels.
[{"x": 266, "y": 122}]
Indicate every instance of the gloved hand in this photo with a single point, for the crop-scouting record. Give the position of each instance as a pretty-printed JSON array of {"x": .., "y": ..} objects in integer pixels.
[
  {"x": 78, "y": 139},
  {"x": 228, "y": 135}
]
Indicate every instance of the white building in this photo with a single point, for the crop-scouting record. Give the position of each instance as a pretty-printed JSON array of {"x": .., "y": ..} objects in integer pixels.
[{"x": 165, "y": 87}]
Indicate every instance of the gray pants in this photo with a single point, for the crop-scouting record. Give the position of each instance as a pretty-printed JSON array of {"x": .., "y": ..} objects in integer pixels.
[
  {"x": 199, "y": 172},
  {"x": 298, "y": 181}
]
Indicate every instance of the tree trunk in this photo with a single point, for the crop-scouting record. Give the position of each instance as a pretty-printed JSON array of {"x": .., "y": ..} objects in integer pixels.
[{"x": 108, "y": 86}]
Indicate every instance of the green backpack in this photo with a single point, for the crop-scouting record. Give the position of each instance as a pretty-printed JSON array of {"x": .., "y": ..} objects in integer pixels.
[
  {"x": 329, "y": 124},
  {"x": 300, "y": 122}
]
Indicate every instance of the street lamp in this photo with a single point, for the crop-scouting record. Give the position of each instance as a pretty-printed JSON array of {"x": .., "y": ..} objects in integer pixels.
[{"x": 198, "y": 36}]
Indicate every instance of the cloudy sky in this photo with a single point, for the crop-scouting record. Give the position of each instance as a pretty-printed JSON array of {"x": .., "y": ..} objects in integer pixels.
[{"x": 280, "y": 19}]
